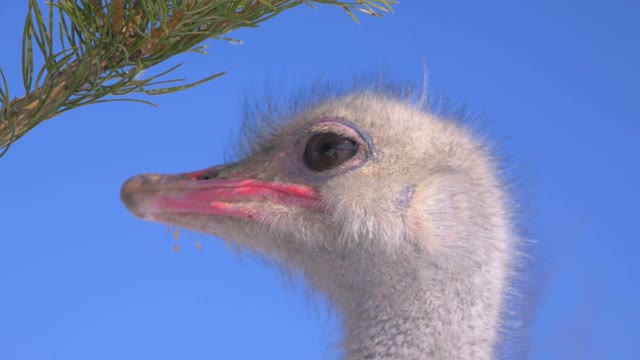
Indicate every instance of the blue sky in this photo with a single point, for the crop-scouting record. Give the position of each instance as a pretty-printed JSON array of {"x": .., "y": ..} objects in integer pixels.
[{"x": 555, "y": 82}]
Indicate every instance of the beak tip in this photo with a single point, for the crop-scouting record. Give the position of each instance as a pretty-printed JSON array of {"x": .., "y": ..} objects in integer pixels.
[{"x": 130, "y": 194}]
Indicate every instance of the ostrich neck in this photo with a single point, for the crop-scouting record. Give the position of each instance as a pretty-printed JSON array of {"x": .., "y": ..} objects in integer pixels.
[
  {"x": 404, "y": 312},
  {"x": 439, "y": 317}
]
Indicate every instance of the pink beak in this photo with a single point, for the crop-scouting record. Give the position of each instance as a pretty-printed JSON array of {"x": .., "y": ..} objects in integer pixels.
[{"x": 192, "y": 193}]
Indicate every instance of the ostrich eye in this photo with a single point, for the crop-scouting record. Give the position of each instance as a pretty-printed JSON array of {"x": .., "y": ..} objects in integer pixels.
[{"x": 325, "y": 151}]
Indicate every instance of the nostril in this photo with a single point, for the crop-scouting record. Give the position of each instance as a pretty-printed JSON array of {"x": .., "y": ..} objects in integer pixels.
[{"x": 208, "y": 176}]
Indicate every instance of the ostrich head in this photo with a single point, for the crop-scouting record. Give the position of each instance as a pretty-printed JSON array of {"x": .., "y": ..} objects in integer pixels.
[{"x": 397, "y": 215}]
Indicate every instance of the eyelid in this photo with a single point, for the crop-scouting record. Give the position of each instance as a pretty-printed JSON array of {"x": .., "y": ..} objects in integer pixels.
[
  {"x": 327, "y": 128},
  {"x": 338, "y": 127}
]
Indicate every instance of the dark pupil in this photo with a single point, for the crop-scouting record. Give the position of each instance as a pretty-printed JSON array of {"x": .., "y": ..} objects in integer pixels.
[{"x": 326, "y": 151}]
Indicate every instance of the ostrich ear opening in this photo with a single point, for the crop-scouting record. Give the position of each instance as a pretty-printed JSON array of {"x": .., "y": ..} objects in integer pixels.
[{"x": 439, "y": 208}]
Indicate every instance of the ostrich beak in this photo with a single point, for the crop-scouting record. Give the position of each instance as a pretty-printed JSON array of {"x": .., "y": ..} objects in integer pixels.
[{"x": 207, "y": 192}]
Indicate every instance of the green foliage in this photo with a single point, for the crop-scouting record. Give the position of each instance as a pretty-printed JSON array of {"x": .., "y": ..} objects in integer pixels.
[{"x": 95, "y": 50}]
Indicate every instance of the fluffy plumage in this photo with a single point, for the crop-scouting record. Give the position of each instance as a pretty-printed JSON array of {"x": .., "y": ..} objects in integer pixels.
[{"x": 411, "y": 237}]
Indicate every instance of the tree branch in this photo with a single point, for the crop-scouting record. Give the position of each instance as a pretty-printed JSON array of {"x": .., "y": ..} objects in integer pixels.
[{"x": 104, "y": 46}]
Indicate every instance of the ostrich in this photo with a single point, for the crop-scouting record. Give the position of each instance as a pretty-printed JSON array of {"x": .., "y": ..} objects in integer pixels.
[{"x": 397, "y": 215}]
